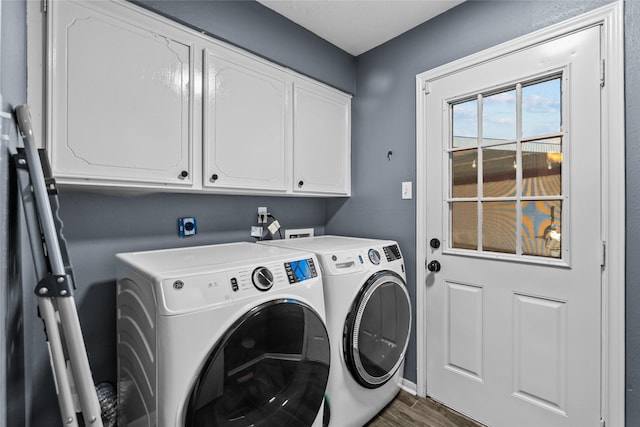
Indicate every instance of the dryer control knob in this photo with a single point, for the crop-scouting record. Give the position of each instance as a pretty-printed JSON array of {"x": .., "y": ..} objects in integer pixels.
[
  {"x": 374, "y": 256},
  {"x": 262, "y": 278}
]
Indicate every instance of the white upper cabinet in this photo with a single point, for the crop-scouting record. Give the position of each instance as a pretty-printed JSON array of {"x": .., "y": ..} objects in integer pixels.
[
  {"x": 136, "y": 100},
  {"x": 322, "y": 135},
  {"x": 246, "y": 122},
  {"x": 121, "y": 97}
]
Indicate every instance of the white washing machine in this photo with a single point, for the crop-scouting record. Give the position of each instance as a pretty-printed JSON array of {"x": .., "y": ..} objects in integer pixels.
[
  {"x": 221, "y": 335},
  {"x": 369, "y": 322}
]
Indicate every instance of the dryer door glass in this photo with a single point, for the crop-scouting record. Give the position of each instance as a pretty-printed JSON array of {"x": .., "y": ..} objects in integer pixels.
[
  {"x": 378, "y": 328},
  {"x": 269, "y": 369}
]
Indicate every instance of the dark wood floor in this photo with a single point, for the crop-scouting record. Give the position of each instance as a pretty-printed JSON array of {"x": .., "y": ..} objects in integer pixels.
[{"x": 407, "y": 410}]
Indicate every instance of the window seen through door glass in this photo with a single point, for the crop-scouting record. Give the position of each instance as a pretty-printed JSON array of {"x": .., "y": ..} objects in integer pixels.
[
  {"x": 499, "y": 164},
  {"x": 499, "y": 116},
  {"x": 542, "y": 168},
  {"x": 542, "y": 228},
  {"x": 465, "y": 175},
  {"x": 499, "y": 227},
  {"x": 506, "y": 171},
  {"x": 465, "y": 124},
  {"x": 464, "y": 219},
  {"x": 541, "y": 114}
]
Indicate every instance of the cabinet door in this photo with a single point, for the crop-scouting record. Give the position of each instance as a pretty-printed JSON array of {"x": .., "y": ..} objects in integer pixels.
[
  {"x": 322, "y": 140},
  {"x": 246, "y": 122},
  {"x": 121, "y": 96}
]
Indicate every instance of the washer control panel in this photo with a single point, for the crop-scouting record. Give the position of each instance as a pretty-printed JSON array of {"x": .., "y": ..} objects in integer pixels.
[{"x": 188, "y": 292}]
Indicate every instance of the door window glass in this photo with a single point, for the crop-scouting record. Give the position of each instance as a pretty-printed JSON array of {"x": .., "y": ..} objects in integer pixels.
[
  {"x": 499, "y": 170},
  {"x": 464, "y": 225},
  {"x": 464, "y": 174},
  {"x": 506, "y": 171},
  {"x": 465, "y": 123},
  {"x": 541, "y": 113},
  {"x": 499, "y": 116},
  {"x": 542, "y": 167}
]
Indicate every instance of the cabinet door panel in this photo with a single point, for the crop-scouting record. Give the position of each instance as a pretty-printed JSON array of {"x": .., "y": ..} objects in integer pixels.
[
  {"x": 321, "y": 156},
  {"x": 121, "y": 97},
  {"x": 246, "y": 129}
]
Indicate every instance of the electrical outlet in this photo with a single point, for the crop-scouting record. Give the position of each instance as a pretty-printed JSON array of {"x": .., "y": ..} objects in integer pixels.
[
  {"x": 187, "y": 226},
  {"x": 263, "y": 215}
]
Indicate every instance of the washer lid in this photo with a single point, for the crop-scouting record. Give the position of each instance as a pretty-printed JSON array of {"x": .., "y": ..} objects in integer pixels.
[
  {"x": 269, "y": 369},
  {"x": 377, "y": 329}
]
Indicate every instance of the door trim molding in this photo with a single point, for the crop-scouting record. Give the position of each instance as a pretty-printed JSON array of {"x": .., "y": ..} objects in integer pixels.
[{"x": 611, "y": 18}]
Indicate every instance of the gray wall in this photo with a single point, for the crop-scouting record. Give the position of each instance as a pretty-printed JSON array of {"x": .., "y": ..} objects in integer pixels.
[
  {"x": 12, "y": 345},
  {"x": 384, "y": 119}
]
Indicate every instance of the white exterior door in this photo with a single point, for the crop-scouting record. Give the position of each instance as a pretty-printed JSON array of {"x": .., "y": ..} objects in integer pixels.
[{"x": 513, "y": 199}]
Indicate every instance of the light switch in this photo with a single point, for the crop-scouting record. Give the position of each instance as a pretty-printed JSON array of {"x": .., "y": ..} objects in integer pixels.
[{"x": 407, "y": 190}]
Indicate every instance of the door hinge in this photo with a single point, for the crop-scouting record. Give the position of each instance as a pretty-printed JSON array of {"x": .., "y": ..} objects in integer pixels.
[
  {"x": 602, "y": 73},
  {"x": 426, "y": 88},
  {"x": 44, "y": 6},
  {"x": 603, "y": 254},
  {"x": 602, "y": 422}
]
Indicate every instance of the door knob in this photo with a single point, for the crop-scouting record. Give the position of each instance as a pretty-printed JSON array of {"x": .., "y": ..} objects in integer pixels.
[
  {"x": 433, "y": 266},
  {"x": 434, "y": 243}
]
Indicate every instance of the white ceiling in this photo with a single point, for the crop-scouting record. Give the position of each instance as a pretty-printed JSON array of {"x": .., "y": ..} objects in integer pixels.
[{"x": 356, "y": 26}]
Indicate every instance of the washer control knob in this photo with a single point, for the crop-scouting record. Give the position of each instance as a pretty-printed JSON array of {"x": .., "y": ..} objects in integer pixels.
[{"x": 262, "y": 278}]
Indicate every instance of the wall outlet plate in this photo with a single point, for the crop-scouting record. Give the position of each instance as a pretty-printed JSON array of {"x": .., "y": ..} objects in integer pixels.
[
  {"x": 187, "y": 226},
  {"x": 262, "y": 215},
  {"x": 407, "y": 190}
]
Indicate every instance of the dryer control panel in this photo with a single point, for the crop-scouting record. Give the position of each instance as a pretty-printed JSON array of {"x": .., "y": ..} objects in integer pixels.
[{"x": 353, "y": 261}]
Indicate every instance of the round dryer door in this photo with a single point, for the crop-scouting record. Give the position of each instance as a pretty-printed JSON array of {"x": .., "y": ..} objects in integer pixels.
[
  {"x": 269, "y": 369},
  {"x": 377, "y": 329}
]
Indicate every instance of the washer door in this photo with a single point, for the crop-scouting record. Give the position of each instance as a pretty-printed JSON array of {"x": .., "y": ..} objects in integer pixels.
[
  {"x": 376, "y": 332},
  {"x": 269, "y": 369}
]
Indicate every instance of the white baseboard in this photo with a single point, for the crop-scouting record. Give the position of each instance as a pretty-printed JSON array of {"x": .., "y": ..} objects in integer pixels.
[{"x": 408, "y": 386}]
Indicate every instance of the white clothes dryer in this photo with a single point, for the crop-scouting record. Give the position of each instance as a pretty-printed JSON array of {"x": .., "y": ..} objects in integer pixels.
[
  {"x": 222, "y": 335},
  {"x": 369, "y": 322}
]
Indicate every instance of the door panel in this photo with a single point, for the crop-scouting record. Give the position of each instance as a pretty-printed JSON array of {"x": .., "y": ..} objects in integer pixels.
[
  {"x": 464, "y": 313},
  {"x": 513, "y": 172}
]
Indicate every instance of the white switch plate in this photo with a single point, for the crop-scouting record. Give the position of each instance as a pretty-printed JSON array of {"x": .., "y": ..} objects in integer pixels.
[{"x": 407, "y": 190}]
